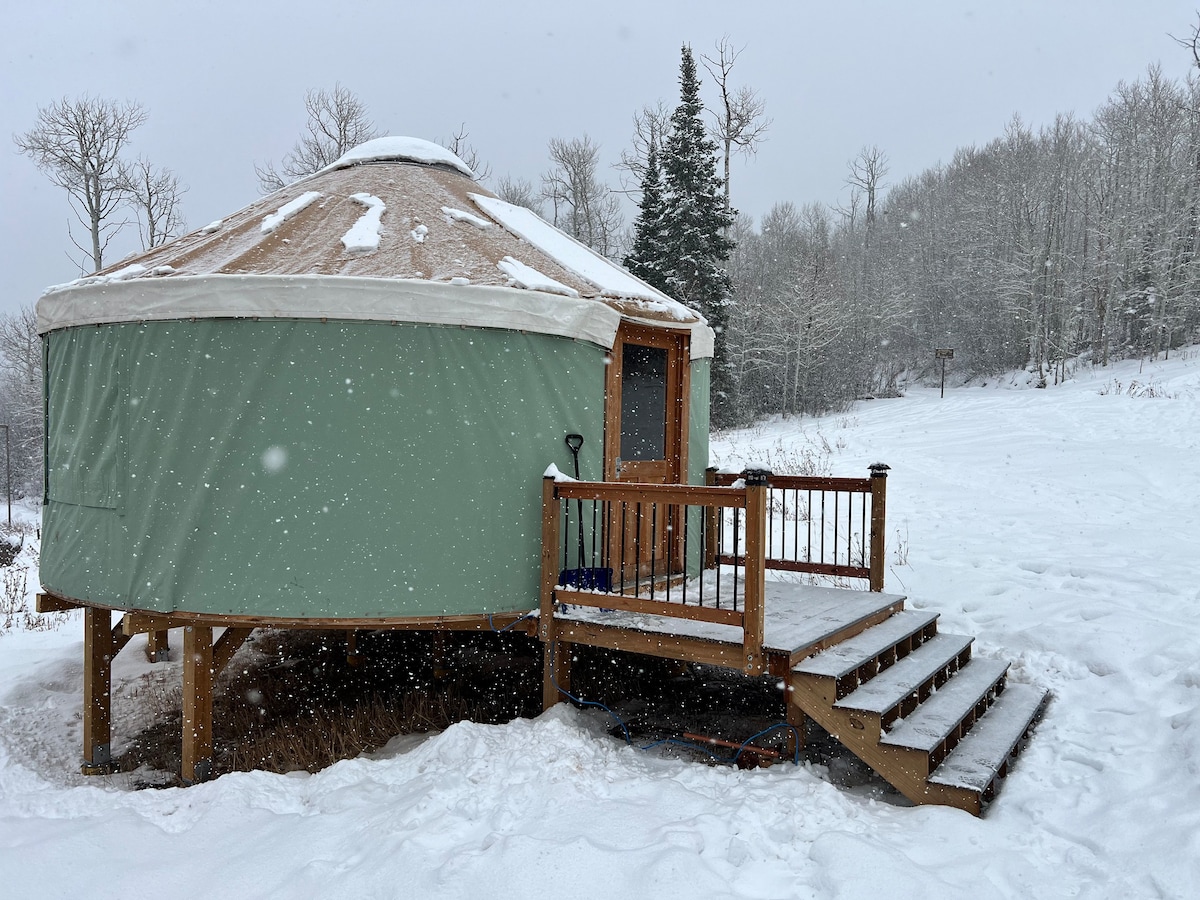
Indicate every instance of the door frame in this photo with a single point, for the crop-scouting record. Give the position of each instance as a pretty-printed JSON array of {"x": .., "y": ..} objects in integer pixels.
[{"x": 677, "y": 345}]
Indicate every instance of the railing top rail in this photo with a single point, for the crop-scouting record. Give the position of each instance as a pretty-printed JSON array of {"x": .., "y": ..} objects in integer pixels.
[
  {"x": 682, "y": 494},
  {"x": 804, "y": 482}
]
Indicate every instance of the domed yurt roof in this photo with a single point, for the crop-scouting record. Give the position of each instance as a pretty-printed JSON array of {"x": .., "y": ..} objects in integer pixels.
[{"x": 394, "y": 209}]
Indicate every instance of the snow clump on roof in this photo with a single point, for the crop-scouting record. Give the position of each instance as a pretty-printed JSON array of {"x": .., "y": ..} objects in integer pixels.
[{"x": 400, "y": 148}]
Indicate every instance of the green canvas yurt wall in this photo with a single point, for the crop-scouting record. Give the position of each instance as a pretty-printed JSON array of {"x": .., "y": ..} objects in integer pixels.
[
  {"x": 261, "y": 421},
  {"x": 390, "y": 471}
]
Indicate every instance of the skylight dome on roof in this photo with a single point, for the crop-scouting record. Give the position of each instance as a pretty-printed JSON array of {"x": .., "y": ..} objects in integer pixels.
[{"x": 400, "y": 148}]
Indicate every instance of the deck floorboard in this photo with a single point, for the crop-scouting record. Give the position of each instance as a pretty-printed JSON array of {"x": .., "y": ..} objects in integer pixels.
[{"x": 797, "y": 618}]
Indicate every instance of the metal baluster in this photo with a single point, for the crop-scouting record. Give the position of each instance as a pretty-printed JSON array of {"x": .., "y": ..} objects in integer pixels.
[
  {"x": 770, "y": 525},
  {"x": 737, "y": 533},
  {"x": 863, "y": 534},
  {"x": 594, "y": 566},
  {"x": 684, "y": 579},
  {"x": 653, "y": 544},
  {"x": 637, "y": 549},
  {"x": 566, "y": 532},
  {"x": 809, "y": 517},
  {"x": 836, "y": 495},
  {"x": 822, "y": 526},
  {"x": 624, "y": 535}
]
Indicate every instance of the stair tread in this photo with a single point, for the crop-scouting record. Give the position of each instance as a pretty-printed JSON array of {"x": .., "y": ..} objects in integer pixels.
[
  {"x": 889, "y": 687},
  {"x": 842, "y": 659},
  {"x": 973, "y": 764},
  {"x": 933, "y": 721}
]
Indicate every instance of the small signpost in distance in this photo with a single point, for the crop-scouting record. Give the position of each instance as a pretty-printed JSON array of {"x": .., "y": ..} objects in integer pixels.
[{"x": 944, "y": 355}]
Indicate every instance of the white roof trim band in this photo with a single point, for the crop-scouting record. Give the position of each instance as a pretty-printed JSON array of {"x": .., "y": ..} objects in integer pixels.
[{"x": 328, "y": 297}]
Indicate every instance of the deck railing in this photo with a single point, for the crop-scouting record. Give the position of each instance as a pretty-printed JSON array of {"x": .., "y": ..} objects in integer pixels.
[
  {"x": 670, "y": 550},
  {"x": 820, "y": 525}
]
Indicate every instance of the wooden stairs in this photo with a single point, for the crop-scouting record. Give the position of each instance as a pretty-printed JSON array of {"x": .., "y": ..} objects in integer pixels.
[{"x": 940, "y": 726}]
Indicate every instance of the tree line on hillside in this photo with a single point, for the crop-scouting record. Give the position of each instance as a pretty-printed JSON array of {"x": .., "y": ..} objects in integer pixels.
[{"x": 1075, "y": 240}]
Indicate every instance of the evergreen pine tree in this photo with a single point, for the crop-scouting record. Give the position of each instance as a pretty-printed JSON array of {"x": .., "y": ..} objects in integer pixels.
[
  {"x": 647, "y": 257},
  {"x": 694, "y": 226}
]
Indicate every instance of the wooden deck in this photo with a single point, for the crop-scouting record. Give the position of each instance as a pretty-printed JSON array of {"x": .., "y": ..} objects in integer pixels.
[
  {"x": 798, "y": 621},
  {"x": 700, "y": 574}
]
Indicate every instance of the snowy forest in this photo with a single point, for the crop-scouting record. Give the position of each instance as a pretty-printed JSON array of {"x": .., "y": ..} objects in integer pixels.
[{"x": 1073, "y": 242}]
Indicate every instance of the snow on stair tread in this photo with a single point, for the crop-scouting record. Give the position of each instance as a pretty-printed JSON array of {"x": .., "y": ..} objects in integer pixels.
[
  {"x": 974, "y": 762},
  {"x": 842, "y": 659},
  {"x": 932, "y": 722},
  {"x": 892, "y": 685}
]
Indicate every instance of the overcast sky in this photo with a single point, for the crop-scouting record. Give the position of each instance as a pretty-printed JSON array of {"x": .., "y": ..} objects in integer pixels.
[{"x": 224, "y": 84}]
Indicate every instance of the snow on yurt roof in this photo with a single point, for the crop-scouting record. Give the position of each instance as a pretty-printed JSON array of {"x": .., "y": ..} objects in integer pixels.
[
  {"x": 401, "y": 148},
  {"x": 402, "y": 218}
]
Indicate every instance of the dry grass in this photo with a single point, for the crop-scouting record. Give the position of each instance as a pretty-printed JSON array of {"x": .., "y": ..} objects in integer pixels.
[
  {"x": 290, "y": 701},
  {"x": 16, "y": 576}
]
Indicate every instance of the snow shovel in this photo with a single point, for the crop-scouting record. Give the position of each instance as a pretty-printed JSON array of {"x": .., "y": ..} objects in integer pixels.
[{"x": 583, "y": 578}]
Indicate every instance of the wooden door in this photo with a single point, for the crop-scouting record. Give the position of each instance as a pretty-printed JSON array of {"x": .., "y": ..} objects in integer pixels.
[{"x": 646, "y": 412}]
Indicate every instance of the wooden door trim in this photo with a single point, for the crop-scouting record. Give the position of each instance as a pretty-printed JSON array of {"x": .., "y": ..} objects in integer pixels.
[{"x": 678, "y": 391}]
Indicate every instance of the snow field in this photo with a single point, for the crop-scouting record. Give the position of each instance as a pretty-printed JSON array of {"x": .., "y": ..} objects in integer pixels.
[{"x": 1058, "y": 526}]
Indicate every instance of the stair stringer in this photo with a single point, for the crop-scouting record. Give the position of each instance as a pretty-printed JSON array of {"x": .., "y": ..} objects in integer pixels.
[{"x": 904, "y": 769}]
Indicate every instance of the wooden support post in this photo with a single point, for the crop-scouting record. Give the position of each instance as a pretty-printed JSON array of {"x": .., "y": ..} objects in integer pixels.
[
  {"x": 97, "y": 691},
  {"x": 556, "y": 672},
  {"x": 551, "y": 537},
  {"x": 797, "y": 719},
  {"x": 757, "y": 482},
  {"x": 878, "y": 524},
  {"x": 711, "y": 514},
  {"x": 157, "y": 648},
  {"x": 438, "y": 657},
  {"x": 353, "y": 657},
  {"x": 197, "y": 703}
]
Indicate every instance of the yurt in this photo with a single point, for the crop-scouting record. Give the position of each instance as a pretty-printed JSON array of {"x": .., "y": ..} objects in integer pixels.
[{"x": 333, "y": 408}]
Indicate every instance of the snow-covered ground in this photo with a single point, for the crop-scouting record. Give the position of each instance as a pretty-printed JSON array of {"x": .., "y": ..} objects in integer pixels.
[{"x": 1061, "y": 526}]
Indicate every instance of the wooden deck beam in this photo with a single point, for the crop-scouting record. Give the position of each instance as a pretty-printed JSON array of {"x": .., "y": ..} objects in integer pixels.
[
  {"x": 48, "y": 603},
  {"x": 664, "y": 646}
]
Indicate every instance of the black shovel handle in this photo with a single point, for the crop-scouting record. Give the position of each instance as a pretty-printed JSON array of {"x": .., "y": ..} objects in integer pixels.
[{"x": 574, "y": 442}]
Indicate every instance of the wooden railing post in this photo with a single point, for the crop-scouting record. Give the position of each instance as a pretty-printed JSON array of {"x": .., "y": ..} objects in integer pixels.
[
  {"x": 757, "y": 484},
  {"x": 552, "y": 662},
  {"x": 878, "y": 523},
  {"x": 710, "y": 524}
]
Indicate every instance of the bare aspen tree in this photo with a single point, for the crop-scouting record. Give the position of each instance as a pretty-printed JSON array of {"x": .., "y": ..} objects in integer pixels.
[
  {"x": 78, "y": 143},
  {"x": 651, "y": 125},
  {"x": 581, "y": 204},
  {"x": 867, "y": 171},
  {"x": 154, "y": 194},
  {"x": 519, "y": 192},
  {"x": 740, "y": 123},
  {"x": 21, "y": 395},
  {"x": 460, "y": 147},
  {"x": 337, "y": 121}
]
